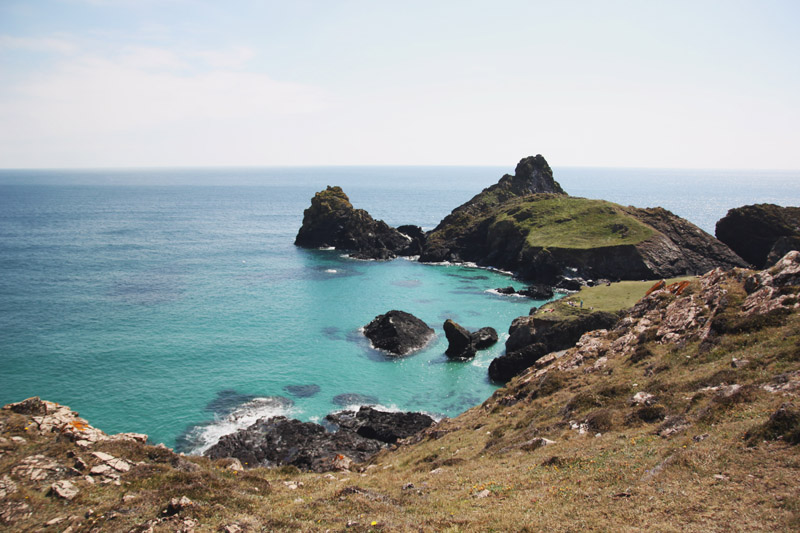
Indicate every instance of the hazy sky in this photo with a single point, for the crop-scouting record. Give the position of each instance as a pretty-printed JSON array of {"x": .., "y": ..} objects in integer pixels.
[{"x": 117, "y": 83}]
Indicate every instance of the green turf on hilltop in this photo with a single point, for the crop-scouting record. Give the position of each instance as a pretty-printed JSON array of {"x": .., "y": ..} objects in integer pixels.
[{"x": 555, "y": 221}]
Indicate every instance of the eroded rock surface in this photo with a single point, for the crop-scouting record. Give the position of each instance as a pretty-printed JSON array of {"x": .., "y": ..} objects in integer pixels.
[
  {"x": 332, "y": 221},
  {"x": 398, "y": 332},
  {"x": 762, "y": 233}
]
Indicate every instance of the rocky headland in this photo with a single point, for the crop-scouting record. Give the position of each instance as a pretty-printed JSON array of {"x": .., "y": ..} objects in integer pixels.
[
  {"x": 332, "y": 222},
  {"x": 762, "y": 233},
  {"x": 527, "y": 224}
]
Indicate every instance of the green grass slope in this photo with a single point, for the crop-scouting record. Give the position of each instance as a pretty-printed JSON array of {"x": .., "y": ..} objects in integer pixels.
[{"x": 551, "y": 221}]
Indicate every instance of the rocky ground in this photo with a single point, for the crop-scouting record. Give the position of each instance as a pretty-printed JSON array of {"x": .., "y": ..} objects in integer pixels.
[{"x": 683, "y": 416}]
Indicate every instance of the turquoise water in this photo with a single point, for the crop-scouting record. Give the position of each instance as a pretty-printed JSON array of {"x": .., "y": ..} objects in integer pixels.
[{"x": 166, "y": 309}]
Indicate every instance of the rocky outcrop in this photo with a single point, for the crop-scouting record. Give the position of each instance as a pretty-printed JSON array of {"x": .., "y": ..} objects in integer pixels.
[
  {"x": 536, "y": 292},
  {"x": 387, "y": 427},
  {"x": 332, "y": 221},
  {"x": 542, "y": 234},
  {"x": 484, "y": 338},
  {"x": 459, "y": 341},
  {"x": 532, "y": 337},
  {"x": 463, "y": 344},
  {"x": 398, "y": 333},
  {"x": 50, "y": 417},
  {"x": 762, "y": 233},
  {"x": 281, "y": 441}
]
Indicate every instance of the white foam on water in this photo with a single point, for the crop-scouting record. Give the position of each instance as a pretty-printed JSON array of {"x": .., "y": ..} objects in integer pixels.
[
  {"x": 205, "y": 436},
  {"x": 514, "y": 295}
]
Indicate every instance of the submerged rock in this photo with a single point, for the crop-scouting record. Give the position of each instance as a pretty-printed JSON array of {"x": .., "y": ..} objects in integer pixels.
[
  {"x": 302, "y": 391},
  {"x": 332, "y": 221},
  {"x": 354, "y": 398},
  {"x": 398, "y": 332}
]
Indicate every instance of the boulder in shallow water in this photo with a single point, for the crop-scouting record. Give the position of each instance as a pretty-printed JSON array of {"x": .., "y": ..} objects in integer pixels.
[
  {"x": 460, "y": 341},
  {"x": 398, "y": 333},
  {"x": 484, "y": 337}
]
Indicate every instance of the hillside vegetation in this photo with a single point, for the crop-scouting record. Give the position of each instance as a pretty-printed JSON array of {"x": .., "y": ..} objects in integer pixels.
[
  {"x": 683, "y": 417},
  {"x": 550, "y": 221}
]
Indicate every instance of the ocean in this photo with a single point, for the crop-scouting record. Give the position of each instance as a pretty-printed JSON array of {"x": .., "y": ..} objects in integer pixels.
[{"x": 173, "y": 302}]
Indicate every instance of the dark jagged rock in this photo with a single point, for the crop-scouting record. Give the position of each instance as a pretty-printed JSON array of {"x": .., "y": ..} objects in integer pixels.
[
  {"x": 460, "y": 341},
  {"x": 280, "y": 441},
  {"x": 506, "y": 290},
  {"x": 398, "y": 332},
  {"x": 762, "y": 233},
  {"x": 381, "y": 425},
  {"x": 505, "y": 367},
  {"x": 532, "y": 337},
  {"x": 331, "y": 221},
  {"x": 537, "y": 292},
  {"x": 484, "y": 337},
  {"x": 463, "y": 344},
  {"x": 556, "y": 334},
  {"x": 542, "y": 234},
  {"x": 418, "y": 239}
]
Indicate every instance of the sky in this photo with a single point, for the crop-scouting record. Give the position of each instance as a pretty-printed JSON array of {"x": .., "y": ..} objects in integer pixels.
[{"x": 159, "y": 83}]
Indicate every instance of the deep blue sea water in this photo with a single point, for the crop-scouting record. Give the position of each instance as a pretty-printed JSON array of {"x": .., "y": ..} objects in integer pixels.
[{"x": 167, "y": 301}]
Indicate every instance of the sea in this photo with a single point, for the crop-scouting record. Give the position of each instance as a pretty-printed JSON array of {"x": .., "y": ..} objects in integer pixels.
[{"x": 173, "y": 302}]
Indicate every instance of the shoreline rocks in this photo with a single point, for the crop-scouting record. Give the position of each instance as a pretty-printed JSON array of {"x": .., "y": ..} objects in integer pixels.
[
  {"x": 533, "y": 337},
  {"x": 398, "y": 333},
  {"x": 279, "y": 441}
]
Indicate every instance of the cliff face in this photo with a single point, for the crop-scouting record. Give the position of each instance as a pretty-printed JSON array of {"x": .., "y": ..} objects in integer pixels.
[
  {"x": 546, "y": 234},
  {"x": 761, "y": 233},
  {"x": 332, "y": 221}
]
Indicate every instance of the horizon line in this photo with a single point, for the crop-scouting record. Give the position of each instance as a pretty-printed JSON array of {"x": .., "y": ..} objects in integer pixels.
[{"x": 438, "y": 165}]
